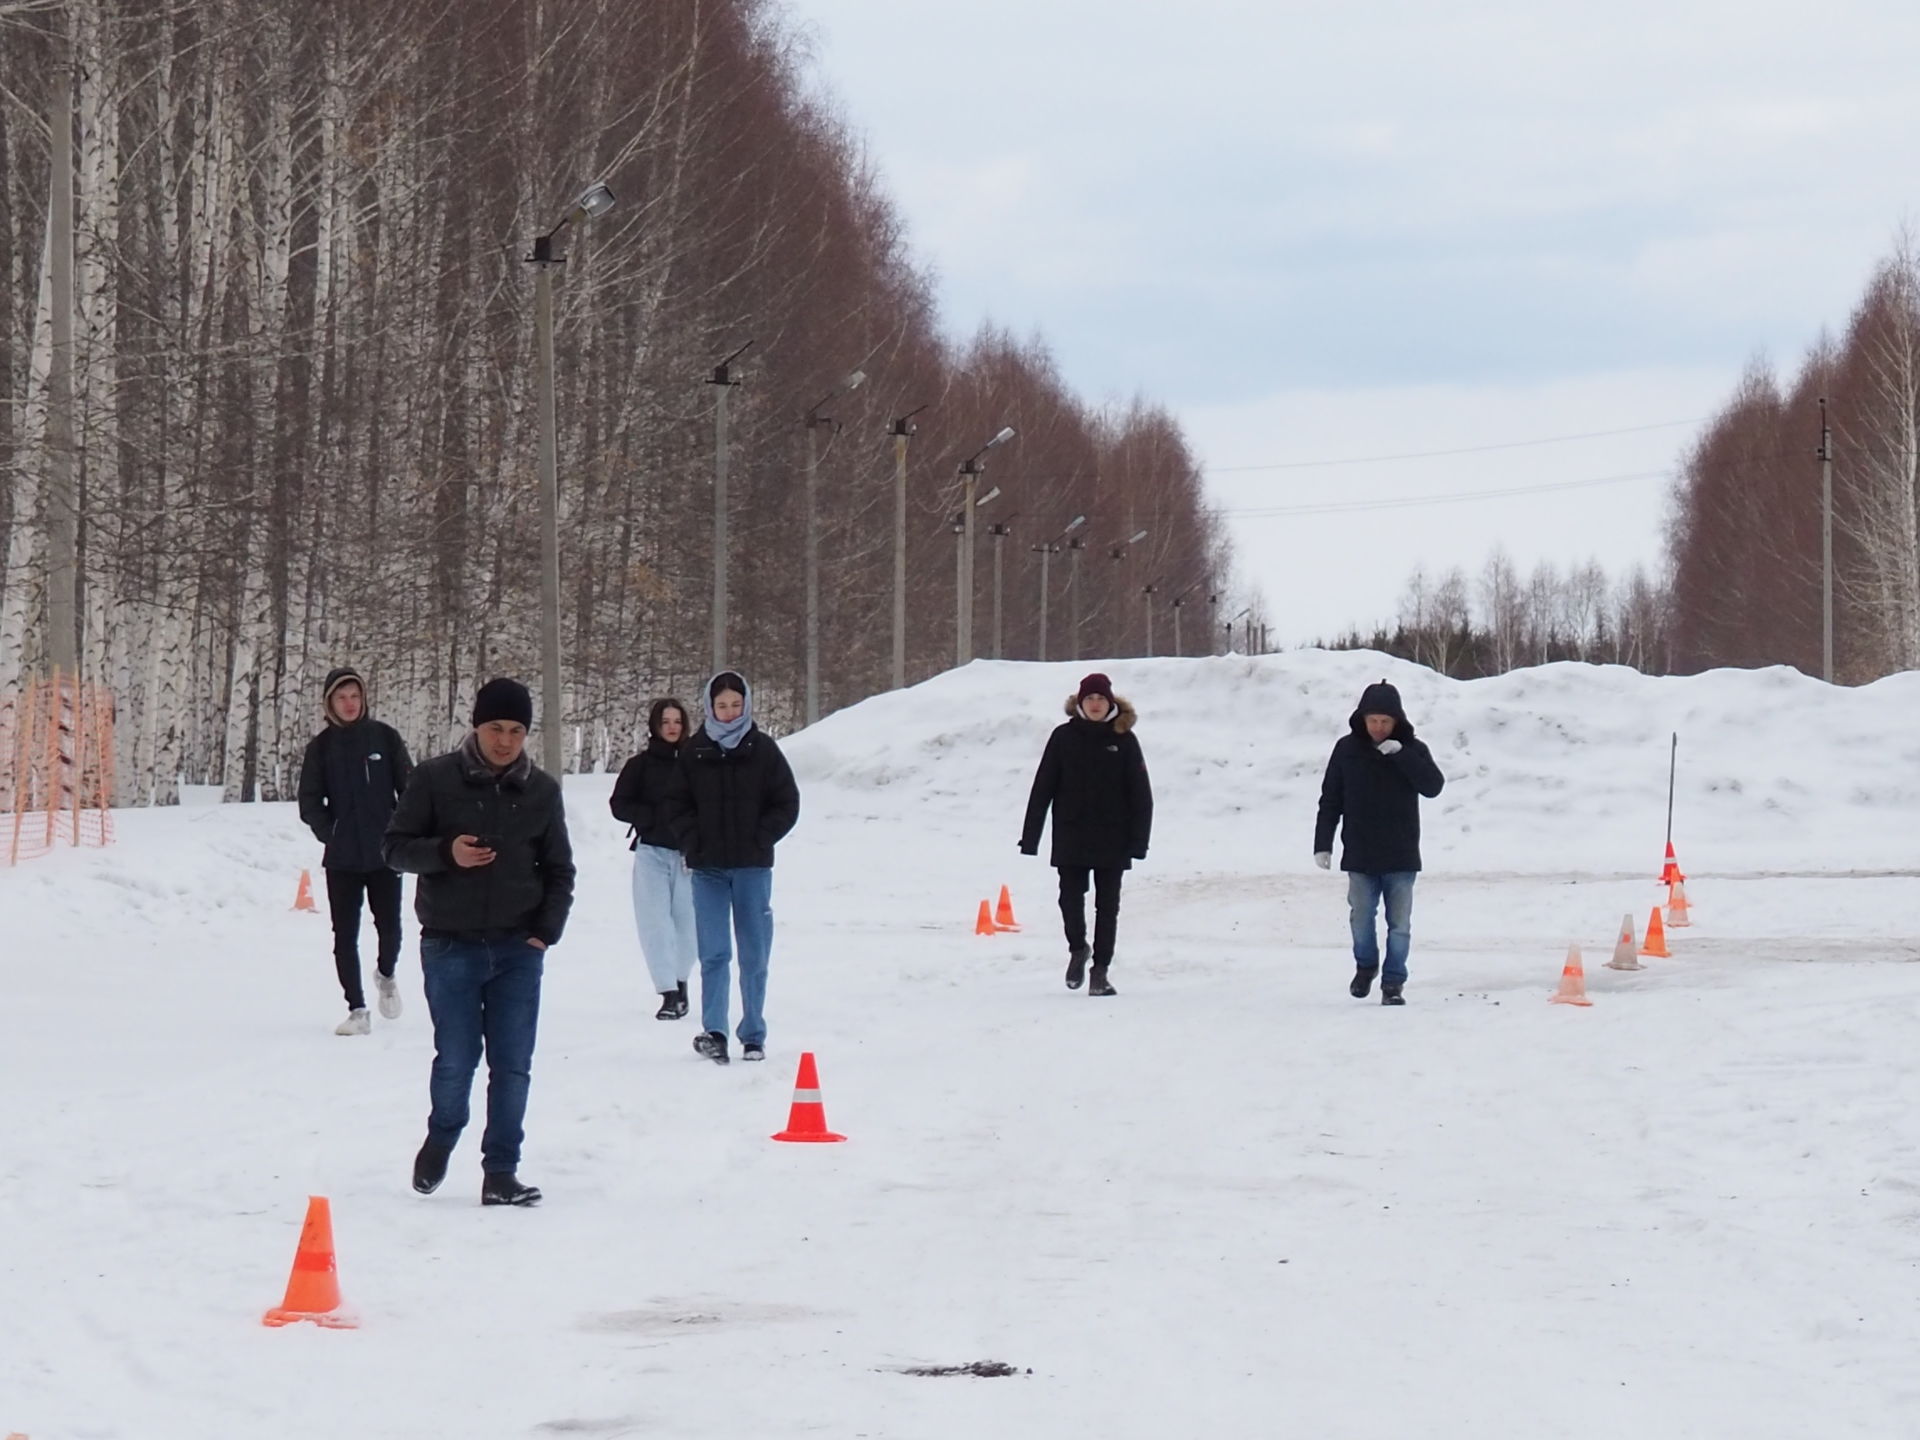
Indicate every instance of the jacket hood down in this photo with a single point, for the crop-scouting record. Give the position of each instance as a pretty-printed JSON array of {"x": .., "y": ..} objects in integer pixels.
[{"x": 1123, "y": 719}]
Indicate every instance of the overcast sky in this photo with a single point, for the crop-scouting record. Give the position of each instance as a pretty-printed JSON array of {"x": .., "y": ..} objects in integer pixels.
[{"x": 1337, "y": 231}]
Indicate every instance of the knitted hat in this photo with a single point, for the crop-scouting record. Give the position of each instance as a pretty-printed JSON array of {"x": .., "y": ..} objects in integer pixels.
[
  {"x": 1095, "y": 684},
  {"x": 503, "y": 699}
]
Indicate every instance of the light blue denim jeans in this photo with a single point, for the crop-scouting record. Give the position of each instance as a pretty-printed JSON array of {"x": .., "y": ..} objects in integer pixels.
[{"x": 663, "y": 915}]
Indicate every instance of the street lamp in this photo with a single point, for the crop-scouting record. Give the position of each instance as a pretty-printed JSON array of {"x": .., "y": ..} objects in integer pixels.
[
  {"x": 999, "y": 532},
  {"x": 596, "y": 200},
  {"x": 901, "y": 428},
  {"x": 1046, "y": 553},
  {"x": 1147, "y": 592},
  {"x": 1235, "y": 621},
  {"x": 1118, "y": 552},
  {"x": 725, "y": 379},
  {"x": 970, "y": 470},
  {"x": 1179, "y": 650},
  {"x": 814, "y": 421}
]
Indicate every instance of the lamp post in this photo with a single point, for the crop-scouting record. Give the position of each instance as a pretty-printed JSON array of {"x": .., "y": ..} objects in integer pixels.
[
  {"x": 970, "y": 471},
  {"x": 1074, "y": 547},
  {"x": 901, "y": 428},
  {"x": 999, "y": 531},
  {"x": 1826, "y": 545},
  {"x": 1179, "y": 650},
  {"x": 814, "y": 421},
  {"x": 1213, "y": 614},
  {"x": 1118, "y": 552},
  {"x": 1147, "y": 592},
  {"x": 725, "y": 379},
  {"x": 595, "y": 201},
  {"x": 1235, "y": 621},
  {"x": 1046, "y": 553}
]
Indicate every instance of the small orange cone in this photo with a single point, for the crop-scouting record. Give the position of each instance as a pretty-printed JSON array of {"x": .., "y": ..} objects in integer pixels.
[
  {"x": 1677, "y": 917},
  {"x": 1656, "y": 945},
  {"x": 304, "y": 899},
  {"x": 313, "y": 1289},
  {"x": 1573, "y": 981},
  {"x": 807, "y": 1121},
  {"x": 1670, "y": 873},
  {"x": 1003, "y": 916},
  {"x": 984, "y": 925},
  {"x": 1624, "y": 957}
]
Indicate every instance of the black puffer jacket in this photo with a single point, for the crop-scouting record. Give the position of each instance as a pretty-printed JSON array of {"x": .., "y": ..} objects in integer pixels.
[
  {"x": 528, "y": 889},
  {"x": 350, "y": 778},
  {"x": 1375, "y": 798},
  {"x": 1094, "y": 777},
  {"x": 640, "y": 791},
  {"x": 729, "y": 808}
]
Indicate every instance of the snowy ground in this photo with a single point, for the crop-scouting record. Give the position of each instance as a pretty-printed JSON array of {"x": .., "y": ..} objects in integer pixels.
[{"x": 1230, "y": 1197}]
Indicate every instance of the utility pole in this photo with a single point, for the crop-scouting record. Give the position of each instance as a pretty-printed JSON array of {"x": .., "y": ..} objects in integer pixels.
[
  {"x": 970, "y": 471},
  {"x": 1826, "y": 544},
  {"x": 1146, "y": 596},
  {"x": 1074, "y": 547},
  {"x": 999, "y": 532},
  {"x": 63, "y": 509},
  {"x": 1046, "y": 553},
  {"x": 814, "y": 421},
  {"x": 902, "y": 431},
  {"x": 723, "y": 378}
]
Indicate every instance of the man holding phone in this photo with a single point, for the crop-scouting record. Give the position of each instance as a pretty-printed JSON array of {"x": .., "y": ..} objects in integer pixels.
[{"x": 486, "y": 832}]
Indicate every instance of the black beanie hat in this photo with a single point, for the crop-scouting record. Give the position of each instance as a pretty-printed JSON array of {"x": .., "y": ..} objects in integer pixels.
[
  {"x": 1096, "y": 684},
  {"x": 503, "y": 699}
]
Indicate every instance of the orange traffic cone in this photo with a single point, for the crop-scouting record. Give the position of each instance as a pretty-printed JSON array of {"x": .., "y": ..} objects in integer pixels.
[
  {"x": 303, "y": 900},
  {"x": 984, "y": 924},
  {"x": 1656, "y": 945},
  {"x": 1677, "y": 917},
  {"x": 1670, "y": 874},
  {"x": 313, "y": 1289},
  {"x": 1003, "y": 917},
  {"x": 807, "y": 1121},
  {"x": 1573, "y": 981},
  {"x": 1624, "y": 957}
]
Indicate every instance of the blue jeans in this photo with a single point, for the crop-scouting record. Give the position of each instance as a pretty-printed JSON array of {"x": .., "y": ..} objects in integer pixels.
[
  {"x": 482, "y": 992},
  {"x": 663, "y": 914},
  {"x": 1364, "y": 893},
  {"x": 726, "y": 904}
]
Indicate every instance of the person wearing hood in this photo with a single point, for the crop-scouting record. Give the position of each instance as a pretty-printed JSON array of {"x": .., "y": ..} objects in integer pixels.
[
  {"x": 1094, "y": 778},
  {"x": 1374, "y": 781},
  {"x": 662, "y": 884},
  {"x": 486, "y": 832},
  {"x": 732, "y": 798},
  {"x": 352, "y": 774}
]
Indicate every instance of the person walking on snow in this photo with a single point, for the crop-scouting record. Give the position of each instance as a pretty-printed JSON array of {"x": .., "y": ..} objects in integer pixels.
[
  {"x": 731, "y": 800},
  {"x": 351, "y": 775},
  {"x": 486, "y": 832},
  {"x": 1094, "y": 778},
  {"x": 1374, "y": 781},
  {"x": 662, "y": 884}
]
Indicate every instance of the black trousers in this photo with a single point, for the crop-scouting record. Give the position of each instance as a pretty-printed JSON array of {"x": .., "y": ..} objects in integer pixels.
[
  {"x": 1106, "y": 908},
  {"x": 379, "y": 890}
]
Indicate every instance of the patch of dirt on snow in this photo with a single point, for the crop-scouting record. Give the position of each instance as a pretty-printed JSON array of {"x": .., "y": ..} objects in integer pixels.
[{"x": 981, "y": 1369}]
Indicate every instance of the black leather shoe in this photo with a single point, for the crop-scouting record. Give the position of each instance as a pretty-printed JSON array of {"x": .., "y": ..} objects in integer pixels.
[
  {"x": 504, "y": 1188},
  {"x": 1362, "y": 985},
  {"x": 430, "y": 1167}
]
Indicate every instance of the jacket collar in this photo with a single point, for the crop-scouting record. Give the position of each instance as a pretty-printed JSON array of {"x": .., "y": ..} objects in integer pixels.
[{"x": 474, "y": 765}]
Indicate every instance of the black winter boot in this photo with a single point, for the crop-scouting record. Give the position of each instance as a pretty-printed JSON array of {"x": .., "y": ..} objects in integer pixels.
[
  {"x": 503, "y": 1187},
  {"x": 673, "y": 1005},
  {"x": 430, "y": 1166},
  {"x": 713, "y": 1045},
  {"x": 1099, "y": 984},
  {"x": 1390, "y": 994},
  {"x": 1076, "y": 967},
  {"x": 1362, "y": 985}
]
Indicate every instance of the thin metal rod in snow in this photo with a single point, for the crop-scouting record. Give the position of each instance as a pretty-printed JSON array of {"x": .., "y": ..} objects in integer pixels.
[{"x": 1673, "y": 767}]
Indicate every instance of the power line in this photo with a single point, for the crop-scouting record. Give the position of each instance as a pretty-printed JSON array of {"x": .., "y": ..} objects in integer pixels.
[
  {"x": 1439, "y": 454},
  {"x": 1405, "y": 502}
]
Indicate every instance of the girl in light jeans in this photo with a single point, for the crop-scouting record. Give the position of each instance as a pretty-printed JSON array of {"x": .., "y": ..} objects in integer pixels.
[{"x": 662, "y": 886}]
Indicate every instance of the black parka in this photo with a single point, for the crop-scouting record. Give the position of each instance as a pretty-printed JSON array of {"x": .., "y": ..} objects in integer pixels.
[
  {"x": 727, "y": 809},
  {"x": 1094, "y": 778},
  {"x": 1374, "y": 799},
  {"x": 641, "y": 791},
  {"x": 528, "y": 889},
  {"x": 350, "y": 778}
]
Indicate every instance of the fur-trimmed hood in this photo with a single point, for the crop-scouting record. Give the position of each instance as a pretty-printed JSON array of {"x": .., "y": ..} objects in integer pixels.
[{"x": 1124, "y": 717}]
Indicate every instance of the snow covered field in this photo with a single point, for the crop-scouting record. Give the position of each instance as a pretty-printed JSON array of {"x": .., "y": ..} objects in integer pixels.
[{"x": 1231, "y": 1197}]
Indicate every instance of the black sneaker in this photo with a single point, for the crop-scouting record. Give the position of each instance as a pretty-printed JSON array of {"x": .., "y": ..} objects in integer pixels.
[
  {"x": 1076, "y": 967},
  {"x": 430, "y": 1166},
  {"x": 673, "y": 1005},
  {"x": 751, "y": 1051},
  {"x": 1390, "y": 994},
  {"x": 1099, "y": 984},
  {"x": 1362, "y": 985},
  {"x": 713, "y": 1045},
  {"x": 504, "y": 1188}
]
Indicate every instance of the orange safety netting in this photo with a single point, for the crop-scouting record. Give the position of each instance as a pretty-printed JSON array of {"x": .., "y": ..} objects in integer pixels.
[{"x": 57, "y": 741}]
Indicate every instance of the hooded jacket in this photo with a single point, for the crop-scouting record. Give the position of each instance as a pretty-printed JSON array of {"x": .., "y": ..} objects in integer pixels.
[
  {"x": 528, "y": 889},
  {"x": 1093, "y": 777},
  {"x": 1374, "y": 799},
  {"x": 641, "y": 791},
  {"x": 727, "y": 809},
  {"x": 350, "y": 778}
]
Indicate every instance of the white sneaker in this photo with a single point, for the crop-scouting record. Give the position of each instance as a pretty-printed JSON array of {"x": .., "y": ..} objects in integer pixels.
[
  {"x": 389, "y": 996},
  {"x": 356, "y": 1023}
]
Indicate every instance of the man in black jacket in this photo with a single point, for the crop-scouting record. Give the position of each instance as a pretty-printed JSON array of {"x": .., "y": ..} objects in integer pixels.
[
  {"x": 487, "y": 834},
  {"x": 1372, "y": 790},
  {"x": 352, "y": 774}
]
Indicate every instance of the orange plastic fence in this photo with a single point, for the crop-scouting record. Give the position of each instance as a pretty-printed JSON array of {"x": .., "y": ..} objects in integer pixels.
[{"x": 57, "y": 739}]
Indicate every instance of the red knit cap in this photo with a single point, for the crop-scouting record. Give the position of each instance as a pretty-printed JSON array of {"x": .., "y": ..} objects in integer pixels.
[{"x": 1095, "y": 684}]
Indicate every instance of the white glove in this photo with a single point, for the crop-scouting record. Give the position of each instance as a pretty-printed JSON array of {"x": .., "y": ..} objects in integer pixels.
[
  {"x": 1324, "y": 859},
  {"x": 1388, "y": 747}
]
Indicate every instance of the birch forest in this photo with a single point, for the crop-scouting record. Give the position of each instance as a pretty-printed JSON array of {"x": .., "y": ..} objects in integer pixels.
[{"x": 304, "y": 421}]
